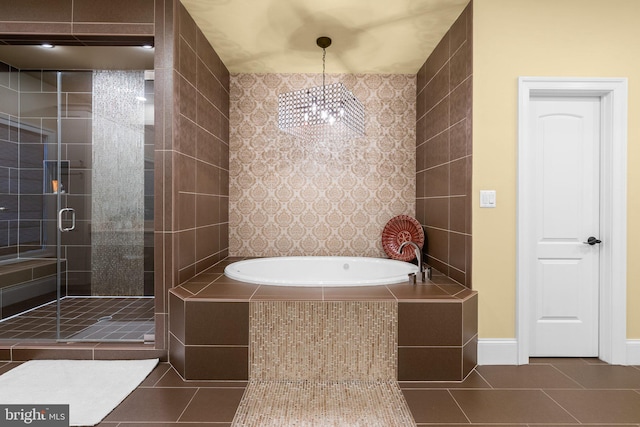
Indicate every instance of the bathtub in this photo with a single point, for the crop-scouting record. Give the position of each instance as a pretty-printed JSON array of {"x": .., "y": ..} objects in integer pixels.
[{"x": 320, "y": 271}]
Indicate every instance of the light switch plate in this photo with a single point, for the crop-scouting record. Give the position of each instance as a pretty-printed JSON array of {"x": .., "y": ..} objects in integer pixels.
[{"x": 487, "y": 198}]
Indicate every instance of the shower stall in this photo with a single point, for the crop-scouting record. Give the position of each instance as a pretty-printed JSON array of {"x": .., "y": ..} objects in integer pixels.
[{"x": 76, "y": 202}]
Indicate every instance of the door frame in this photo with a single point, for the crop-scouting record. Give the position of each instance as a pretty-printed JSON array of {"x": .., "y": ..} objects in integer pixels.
[{"x": 613, "y": 208}]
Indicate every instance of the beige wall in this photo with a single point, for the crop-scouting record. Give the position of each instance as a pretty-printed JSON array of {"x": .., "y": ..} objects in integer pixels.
[
  {"x": 294, "y": 197},
  {"x": 515, "y": 38}
]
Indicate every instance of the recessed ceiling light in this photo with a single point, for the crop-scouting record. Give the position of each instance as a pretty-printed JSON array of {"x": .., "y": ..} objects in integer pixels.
[
  {"x": 147, "y": 46},
  {"x": 47, "y": 45},
  {"x": 141, "y": 98}
]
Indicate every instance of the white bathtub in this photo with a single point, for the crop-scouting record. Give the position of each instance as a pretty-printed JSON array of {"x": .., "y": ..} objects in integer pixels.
[{"x": 320, "y": 271}]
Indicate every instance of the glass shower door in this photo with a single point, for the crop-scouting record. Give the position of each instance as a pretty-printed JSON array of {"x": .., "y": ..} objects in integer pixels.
[
  {"x": 105, "y": 128},
  {"x": 76, "y": 201}
]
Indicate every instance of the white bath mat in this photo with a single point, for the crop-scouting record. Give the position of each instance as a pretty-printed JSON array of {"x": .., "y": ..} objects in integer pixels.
[{"x": 91, "y": 388}]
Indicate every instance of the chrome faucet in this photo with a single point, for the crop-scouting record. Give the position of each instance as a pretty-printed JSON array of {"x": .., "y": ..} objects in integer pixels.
[{"x": 416, "y": 248}]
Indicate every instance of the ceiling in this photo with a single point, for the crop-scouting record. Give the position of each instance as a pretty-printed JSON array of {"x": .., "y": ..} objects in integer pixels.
[{"x": 369, "y": 36}]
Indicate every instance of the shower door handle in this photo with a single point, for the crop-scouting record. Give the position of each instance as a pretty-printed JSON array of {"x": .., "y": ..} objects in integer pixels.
[{"x": 73, "y": 219}]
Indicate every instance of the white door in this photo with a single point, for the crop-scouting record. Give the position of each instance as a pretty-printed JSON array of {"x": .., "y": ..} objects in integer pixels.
[{"x": 565, "y": 289}]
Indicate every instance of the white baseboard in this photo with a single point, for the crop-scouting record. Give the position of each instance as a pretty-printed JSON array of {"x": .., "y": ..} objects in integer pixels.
[
  {"x": 504, "y": 351},
  {"x": 497, "y": 351},
  {"x": 633, "y": 352}
]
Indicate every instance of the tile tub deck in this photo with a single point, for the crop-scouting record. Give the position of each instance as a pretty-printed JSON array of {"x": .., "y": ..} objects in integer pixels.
[{"x": 209, "y": 324}]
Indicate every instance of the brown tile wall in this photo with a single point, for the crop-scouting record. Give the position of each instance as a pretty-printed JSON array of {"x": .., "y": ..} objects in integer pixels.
[
  {"x": 444, "y": 151},
  {"x": 192, "y": 155},
  {"x": 27, "y": 138},
  {"x": 77, "y": 21},
  {"x": 200, "y": 151},
  {"x": 163, "y": 119}
]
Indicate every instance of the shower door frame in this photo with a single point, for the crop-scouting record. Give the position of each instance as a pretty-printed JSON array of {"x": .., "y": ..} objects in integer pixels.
[{"x": 58, "y": 205}]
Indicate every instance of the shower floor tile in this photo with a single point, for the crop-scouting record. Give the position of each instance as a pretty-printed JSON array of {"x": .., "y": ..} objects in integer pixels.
[
  {"x": 85, "y": 318},
  {"x": 110, "y": 330}
]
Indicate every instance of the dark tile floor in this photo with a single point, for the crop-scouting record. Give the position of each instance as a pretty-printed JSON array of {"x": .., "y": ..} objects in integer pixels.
[{"x": 547, "y": 392}]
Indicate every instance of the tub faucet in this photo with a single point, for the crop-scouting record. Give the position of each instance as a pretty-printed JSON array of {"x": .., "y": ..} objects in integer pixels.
[{"x": 416, "y": 248}]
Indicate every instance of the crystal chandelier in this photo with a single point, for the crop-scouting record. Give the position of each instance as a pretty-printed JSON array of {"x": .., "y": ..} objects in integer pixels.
[{"x": 321, "y": 112}]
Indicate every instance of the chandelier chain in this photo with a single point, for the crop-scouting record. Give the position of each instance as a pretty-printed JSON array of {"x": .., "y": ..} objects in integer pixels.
[{"x": 324, "y": 56}]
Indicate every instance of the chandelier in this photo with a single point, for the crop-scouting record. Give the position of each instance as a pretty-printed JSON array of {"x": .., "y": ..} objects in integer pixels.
[{"x": 321, "y": 112}]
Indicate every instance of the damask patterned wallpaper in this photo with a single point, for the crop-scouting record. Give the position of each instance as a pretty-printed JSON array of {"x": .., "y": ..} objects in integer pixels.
[{"x": 292, "y": 197}]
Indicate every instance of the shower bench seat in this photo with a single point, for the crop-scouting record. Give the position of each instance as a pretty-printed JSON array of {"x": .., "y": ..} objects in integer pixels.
[{"x": 27, "y": 283}]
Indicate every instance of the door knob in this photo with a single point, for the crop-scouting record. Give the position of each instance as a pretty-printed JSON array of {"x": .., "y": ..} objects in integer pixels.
[{"x": 592, "y": 241}]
